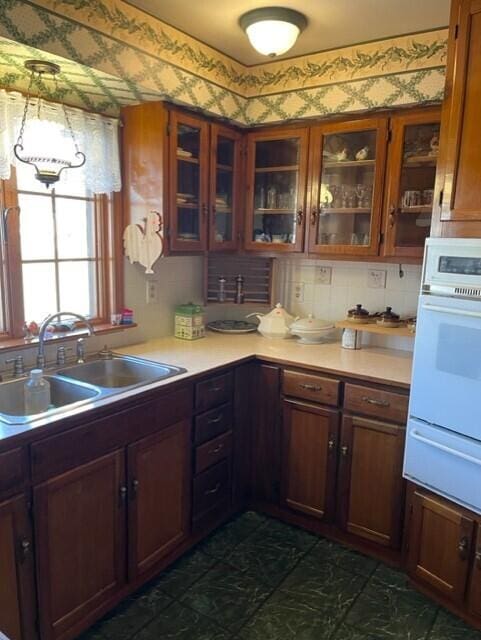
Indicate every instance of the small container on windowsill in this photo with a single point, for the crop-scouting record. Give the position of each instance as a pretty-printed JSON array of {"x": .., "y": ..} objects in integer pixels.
[{"x": 127, "y": 316}]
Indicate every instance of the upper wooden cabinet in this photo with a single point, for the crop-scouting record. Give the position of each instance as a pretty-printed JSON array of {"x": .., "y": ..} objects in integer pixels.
[
  {"x": 410, "y": 177},
  {"x": 458, "y": 188},
  {"x": 276, "y": 182},
  {"x": 346, "y": 172}
]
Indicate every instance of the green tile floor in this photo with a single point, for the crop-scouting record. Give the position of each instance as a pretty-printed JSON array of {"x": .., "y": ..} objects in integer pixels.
[{"x": 258, "y": 579}]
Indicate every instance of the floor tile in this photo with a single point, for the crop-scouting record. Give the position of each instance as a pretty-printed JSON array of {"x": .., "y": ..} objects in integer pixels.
[
  {"x": 184, "y": 572},
  {"x": 181, "y": 623},
  {"x": 391, "y": 578},
  {"x": 302, "y": 540},
  {"x": 227, "y": 595},
  {"x": 448, "y": 627},
  {"x": 323, "y": 586},
  {"x": 265, "y": 556},
  {"x": 326, "y": 550},
  {"x": 344, "y": 632},
  {"x": 283, "y": 618},
  {"x": 390, "y": 613},
  {"x": 223, "y": 541}
]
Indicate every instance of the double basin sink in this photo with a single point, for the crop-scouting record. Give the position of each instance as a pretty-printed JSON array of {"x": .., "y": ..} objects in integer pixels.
[{"x": 83, "y": 383}]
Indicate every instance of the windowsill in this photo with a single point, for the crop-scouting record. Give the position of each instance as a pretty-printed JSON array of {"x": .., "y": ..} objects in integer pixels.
[{"x": 13, "y": 344}]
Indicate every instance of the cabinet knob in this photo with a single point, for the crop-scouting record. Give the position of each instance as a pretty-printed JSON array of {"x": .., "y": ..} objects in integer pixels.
[
  {"x": 331, "y": 444},
  {"x": 25, "y": 549},
  {"x": 344, "y": 450},
  {"x": 313, "y": 217},
  {"x": 392, "y": 215},
  {"x": 463, "y": 546},
  {"x": 300, "y": 216},
  {"x": 135, "y": 487},
  {"x": 123, "y": 493},
  {"x": 477, "y": 557},
  {"x": 204, "y": 211}
]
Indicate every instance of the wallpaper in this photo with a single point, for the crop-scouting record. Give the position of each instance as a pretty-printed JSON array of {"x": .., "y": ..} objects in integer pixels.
[{"x": 125, "y": 55}]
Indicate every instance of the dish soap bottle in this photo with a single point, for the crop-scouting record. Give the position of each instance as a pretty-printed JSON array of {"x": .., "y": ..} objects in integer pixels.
[{"x": 37, "y": 393}]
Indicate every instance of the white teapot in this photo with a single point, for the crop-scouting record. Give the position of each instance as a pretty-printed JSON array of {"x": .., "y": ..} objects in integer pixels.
[{"x": 274, "y": 324}]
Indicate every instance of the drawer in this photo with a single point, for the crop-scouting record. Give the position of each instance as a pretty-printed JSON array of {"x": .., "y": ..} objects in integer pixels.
[
  {"x": 310, "y": 387},
  {"x": 374, "y": 402},
  {"x": 213, "y": 423},
  {"x": 213, "y": 451},
  {"x": 211, "y": 488},
  {"x": 214, "y": 391},
  {"x": 13, "y": 471}
]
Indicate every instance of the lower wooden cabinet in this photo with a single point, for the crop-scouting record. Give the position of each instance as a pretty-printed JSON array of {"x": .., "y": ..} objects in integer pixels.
[
  {"x": 80, "y": 541},
  {"x": 309, "y": 446},
  {"x": 475, "y": 583},
  {"x": 439, "y": 546},
  {"x": 371, "y": 495},
  {"x": 159, "y": 469},
  {"x": 17, "y": 590}
]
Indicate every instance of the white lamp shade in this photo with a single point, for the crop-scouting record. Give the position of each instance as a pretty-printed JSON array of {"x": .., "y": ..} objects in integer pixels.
[{"x": 272, "y": 37}]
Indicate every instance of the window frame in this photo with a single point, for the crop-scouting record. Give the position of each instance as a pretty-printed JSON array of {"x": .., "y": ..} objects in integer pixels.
[{"x": 109, "y": 221}]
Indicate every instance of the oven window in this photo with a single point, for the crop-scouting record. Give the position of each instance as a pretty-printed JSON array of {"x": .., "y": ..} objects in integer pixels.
[{"x": 459, "y": 351}]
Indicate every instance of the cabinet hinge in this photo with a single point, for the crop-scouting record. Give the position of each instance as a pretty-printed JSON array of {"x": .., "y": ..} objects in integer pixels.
[
  {"x": 389, "y": 135},
  {"x": 456, "y": 32},
  {"x": 441, "y": 193}
]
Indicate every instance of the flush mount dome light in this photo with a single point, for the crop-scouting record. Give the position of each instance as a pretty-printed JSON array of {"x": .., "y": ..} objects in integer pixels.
[{"x": 273, "y": 30}]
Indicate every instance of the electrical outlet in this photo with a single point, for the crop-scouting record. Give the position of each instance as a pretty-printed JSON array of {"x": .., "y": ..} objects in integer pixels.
[
  {"x": 152, "y": 292},
  {"x": 376, "y": 279},
  {"x": 323, "y": 275},
  {"x": 299, "y": 291}
]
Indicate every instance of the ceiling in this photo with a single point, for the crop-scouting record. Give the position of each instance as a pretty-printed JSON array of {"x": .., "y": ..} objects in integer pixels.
[{"x": 332, "y": 23}]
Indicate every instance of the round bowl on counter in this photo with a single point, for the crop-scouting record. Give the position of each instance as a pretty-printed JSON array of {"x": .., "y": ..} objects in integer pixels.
[{"x": 311, "y": 330}]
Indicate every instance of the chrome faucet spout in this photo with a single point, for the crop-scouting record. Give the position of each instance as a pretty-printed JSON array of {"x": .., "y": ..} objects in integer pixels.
[{"x": 43, "y": 329}]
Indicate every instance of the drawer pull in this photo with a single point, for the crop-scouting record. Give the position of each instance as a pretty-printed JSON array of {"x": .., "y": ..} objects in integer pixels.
[
  {"x": 331, "y": 444},
  {"x": 463, "y": 547},
  {"x": 215, "y": 420},
  {"x": 216, "y": 389},
  {"x": 344, "y": 450},
  {"x": 477, "y": 557},
  {"x": 25, "y": 549},
  {"x": 122, "y": 493},
  {"x": 217, "y": 449},
  {"x": 310, "y": 387},
  {"x": 214, "y": 490},
  {"x": 377, "y": 403},
  {"x": 135, "y": 487}
]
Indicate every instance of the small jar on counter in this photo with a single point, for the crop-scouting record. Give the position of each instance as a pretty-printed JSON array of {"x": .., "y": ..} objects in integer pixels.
[{"x": 189, "y": 321}]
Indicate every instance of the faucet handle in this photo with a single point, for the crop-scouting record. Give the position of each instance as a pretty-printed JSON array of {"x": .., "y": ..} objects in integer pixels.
[
  {"x": 80, "y": 350},
  {"x": 62, "y": 354},
  {"x": 18, "y": 366}
]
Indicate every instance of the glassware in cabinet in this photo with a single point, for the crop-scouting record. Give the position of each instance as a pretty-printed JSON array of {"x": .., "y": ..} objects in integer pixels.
[
  {"x": 347, "y": 165},
  {"x": 276, "y": 187}
]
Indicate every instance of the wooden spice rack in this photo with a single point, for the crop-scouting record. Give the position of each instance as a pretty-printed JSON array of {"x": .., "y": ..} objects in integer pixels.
[{"x": 372, "y": 327}]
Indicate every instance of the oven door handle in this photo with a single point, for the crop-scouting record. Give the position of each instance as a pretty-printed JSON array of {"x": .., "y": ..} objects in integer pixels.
[
  {"x": 454, "y": 312},
  {"x": 437, "y": 445}
]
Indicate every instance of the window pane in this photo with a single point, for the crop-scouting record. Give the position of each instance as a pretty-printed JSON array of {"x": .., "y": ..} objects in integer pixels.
[
  {"x": 75, "y": 228},
  {"x": 39, "y": 295},
  {"x": 72, "y": 183},
  {"x": 77, "y": 284},
  {"x": 36, "y": 227},
  {"x": 26, "y": 180}
]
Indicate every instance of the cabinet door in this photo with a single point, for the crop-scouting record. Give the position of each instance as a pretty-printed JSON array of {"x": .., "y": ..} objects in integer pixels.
[
  {"x": 371, "y": 488},
  {"x": 411, "y": 172},
  {"x": 440, "y": 537},
  {"x": 80, "y": 542},
  {"x": 17, "y": 591},
  {"x": 188, "y": 182},
  {"x": 225, "y": 196},
  {"x": 159, "y": 488},
  {"x": 460, "y": 150},
  {"x": 309, "y": 449},
  {"x": 347, "y": 165},
  {"x": 276, "y": 189},
  {"x": 475, "y": 585}
]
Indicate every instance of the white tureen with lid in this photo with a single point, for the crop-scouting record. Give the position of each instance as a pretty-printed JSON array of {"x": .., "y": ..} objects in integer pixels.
[
  {"x": 274, "y": 324},
  {"x": 311, "y": 330}
]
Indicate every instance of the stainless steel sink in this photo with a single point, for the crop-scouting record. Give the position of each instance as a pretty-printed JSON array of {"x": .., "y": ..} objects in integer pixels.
[
  {"x": 120, "y": 372},
  {"x": 64, "y": 394}
]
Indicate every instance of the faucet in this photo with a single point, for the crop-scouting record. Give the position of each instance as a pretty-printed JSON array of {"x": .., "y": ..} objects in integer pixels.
[{"x": 43, "y": 329}]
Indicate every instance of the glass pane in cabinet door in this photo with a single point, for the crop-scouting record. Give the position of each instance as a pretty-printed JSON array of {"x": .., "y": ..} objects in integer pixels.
[
  {"x": 418, "y": 173},
  {"x": 188, "y": 183},
  {"x": 276, "y": 191},
  {"x": 346, "y": 188},
  {"x": 224, "y": 189}
]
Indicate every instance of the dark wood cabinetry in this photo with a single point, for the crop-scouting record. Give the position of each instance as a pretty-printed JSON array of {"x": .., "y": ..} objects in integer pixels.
[
  {"x": 370, "y": 480},
  {"x": 309, "y": 448},
  {"x": 474, "y": 594},
  {"x": 159, "y": 496},
  {"x": 80, "y": 542},
  {"x": 17, "y": 590}
]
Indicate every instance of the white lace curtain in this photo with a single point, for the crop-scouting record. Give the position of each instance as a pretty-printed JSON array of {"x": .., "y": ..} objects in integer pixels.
[{"x": 96, "y": 135}]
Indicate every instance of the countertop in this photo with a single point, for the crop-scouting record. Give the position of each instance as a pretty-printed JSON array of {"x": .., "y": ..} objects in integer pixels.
[{"x": 372, "y": 364}]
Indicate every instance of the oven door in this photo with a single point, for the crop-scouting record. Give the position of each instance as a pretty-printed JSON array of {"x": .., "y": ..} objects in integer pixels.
[
  {"x": 446, "y": 383},
  {"x": 445, "y": 462}
]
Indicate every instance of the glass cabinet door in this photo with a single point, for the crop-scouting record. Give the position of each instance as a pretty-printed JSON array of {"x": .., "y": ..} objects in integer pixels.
[
  {"x": 224, "y": 188},
  {"x": 348, "y": 166},
  {"x": 188, "y": 182},
  {"x": 276, "y": 167},
  {"x": 411, "y": 176}
]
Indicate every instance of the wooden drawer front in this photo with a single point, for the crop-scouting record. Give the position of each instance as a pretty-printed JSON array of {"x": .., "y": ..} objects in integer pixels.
[
  {"x": 213, "y": 451},
  {"x": 310, "y": 387},
  {"x": 57, "y": 454},
  {"x": 213, "y": 392},
  {"x": 211, "y": 488},
  {"x": 213, "y": 423},
  {"x": 373, "y": 402},
  {"x": 13, "y": 471}
]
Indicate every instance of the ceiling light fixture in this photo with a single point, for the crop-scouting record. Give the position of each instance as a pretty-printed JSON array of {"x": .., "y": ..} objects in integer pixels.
[
  {"x": 273, "y": 30},
  {"x": 47, "y": 169}
]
